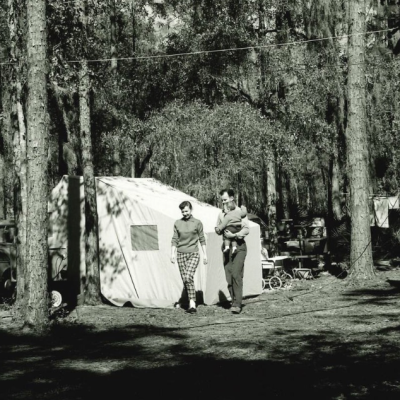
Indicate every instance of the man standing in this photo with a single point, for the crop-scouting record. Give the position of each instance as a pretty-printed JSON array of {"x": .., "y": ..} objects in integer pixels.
[{"x": 234, "y": 263}]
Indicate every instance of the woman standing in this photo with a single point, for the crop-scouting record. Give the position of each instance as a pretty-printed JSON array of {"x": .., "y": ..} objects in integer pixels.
[{"x": 188, "y": 232}]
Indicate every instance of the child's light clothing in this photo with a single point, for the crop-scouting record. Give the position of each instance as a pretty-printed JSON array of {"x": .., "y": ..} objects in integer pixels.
[{"x": 232, "y": 221}]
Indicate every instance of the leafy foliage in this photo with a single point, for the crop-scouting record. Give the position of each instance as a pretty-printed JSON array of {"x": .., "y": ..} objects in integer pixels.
[{"x": 216, "y": 117}]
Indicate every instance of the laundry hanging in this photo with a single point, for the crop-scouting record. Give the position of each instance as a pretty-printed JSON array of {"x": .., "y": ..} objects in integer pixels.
[{"x": 381, "y": 209}]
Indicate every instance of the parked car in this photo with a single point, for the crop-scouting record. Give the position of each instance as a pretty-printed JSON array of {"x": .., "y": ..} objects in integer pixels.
[{"x": 58, "y": 283}]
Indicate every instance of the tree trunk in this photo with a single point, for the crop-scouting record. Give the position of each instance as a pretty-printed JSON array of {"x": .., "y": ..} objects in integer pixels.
[
  {"x": 11, "y": 187},
  {"x": 293, "y": 191},
  {"x": 283, "y": 201},
  {"x": 2, "y": 169},
  {"x": 116, "y": 160},
  {"x": 68, "y": 154},
  {"x": 7, "y": 134},
  {"x": 2, "y": 182},
  {"x": 271, "y": 205},
  {"x": 133, "y": 54},
  {"x": 19, "y": 153},
  {"x": 116, "y": 168},
  {"x": 113, "y": 37},
  {"x": 334, "y": 196},
  {"x": 92, "y": 281},
  {"x": 133, "y": 162},
  {"x": 357, "y": 148},
  {"x": 271, "y": 186},
  {"x": 337, "y": 173},
  {"x": 263, "y": 58},
  {"x": 270, "y": 193},
  {"x": 36, "y": 313},
  {"x": 20, "y": 162},
  {"x": 2, "y": 148}
]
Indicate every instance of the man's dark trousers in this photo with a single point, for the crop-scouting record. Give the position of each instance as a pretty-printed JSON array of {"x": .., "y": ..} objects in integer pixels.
[{"x": 234, "y": 270}]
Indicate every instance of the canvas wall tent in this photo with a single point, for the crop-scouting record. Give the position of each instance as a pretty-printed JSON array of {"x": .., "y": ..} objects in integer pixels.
[{"x": 136, "y": 218}]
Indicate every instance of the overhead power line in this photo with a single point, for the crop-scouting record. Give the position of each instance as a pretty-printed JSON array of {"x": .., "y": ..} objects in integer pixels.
[
  {"x": 293, "y": 43},
  {"x": 231, "y": 49}
]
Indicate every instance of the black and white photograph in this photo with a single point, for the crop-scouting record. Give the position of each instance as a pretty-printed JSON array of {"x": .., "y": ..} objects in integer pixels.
[{"x": 200, "y": 199}]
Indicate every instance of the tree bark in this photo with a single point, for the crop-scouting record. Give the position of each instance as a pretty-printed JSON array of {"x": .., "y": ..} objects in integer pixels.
[
  {"x": 283, "y": 190},
  {"x": 36, "y": 313},
  {"x": 19, "y": 153},
  {"x": 18, "y": 127},
  {"x": 271, "y": 205},
  {"x": 113, "y": 37},
  {"x": 68, "y": 145},
  {"x": 20, "y": 157},
  {"x": 337, "y": 173},
  {"x": 2, "y": 169},
  {"x": 2, "y": 182},
  {"x": 357, "y": 147},
  {"x": 7, "y": 135},
  {"x": 116, "y": 161},
  {"x": 133, "y": 163},
  {"x": 92, "y": 279},
  {"x": 263, "y": 58},
  {"x": 114, "y": 76},
  {"x": 334, "y": 189}
]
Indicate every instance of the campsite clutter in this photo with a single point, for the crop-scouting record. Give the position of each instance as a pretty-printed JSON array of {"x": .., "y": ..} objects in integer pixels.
[
  {"x": 58, "y": 284},
  {"x": 303, "y": 251},
  {"x": 379, "y": 208},
  {"x": 300, "y": 253}
]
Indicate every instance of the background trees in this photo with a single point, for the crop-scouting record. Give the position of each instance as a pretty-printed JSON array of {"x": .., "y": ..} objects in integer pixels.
[{"x": 203, "y": 94}]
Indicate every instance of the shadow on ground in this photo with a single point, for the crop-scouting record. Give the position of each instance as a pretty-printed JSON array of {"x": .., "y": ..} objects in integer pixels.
[
  {"x": 370, "y": 296},
  {"x": 146, "y": 362}
]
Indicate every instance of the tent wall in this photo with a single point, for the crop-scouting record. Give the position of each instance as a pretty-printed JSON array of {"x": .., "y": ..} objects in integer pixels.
[
  {"x": 66, "y": 209},
  {"x": 143, "y": 278}
]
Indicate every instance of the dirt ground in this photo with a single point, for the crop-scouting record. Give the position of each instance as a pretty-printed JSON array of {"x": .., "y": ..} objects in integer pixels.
[{"x": 321, "y": 339}]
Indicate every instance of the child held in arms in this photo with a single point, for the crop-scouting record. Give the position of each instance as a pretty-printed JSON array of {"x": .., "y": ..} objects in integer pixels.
[{"x": 232, "y": 221}]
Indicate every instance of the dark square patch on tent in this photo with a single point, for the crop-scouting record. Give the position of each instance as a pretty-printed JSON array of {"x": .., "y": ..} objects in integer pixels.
[{"x": 144, "y": 237}]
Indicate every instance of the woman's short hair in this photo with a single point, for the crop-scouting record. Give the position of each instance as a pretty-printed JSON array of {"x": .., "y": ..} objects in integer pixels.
[{"x": 185, "y": 204}]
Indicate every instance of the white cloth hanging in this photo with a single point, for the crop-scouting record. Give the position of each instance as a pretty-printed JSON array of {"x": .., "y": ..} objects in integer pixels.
[
  {"x": 394, "y": 202},
  {"x": 381, "y": 208}
]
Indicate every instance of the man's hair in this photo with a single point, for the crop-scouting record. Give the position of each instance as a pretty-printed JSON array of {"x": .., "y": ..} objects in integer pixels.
[
  {"x": 231, "y": 192},
  {"x": 185, "y": 204}
]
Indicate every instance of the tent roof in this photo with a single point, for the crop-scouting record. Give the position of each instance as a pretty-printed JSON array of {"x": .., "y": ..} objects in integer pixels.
[{"x": 162, "y": 198}]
